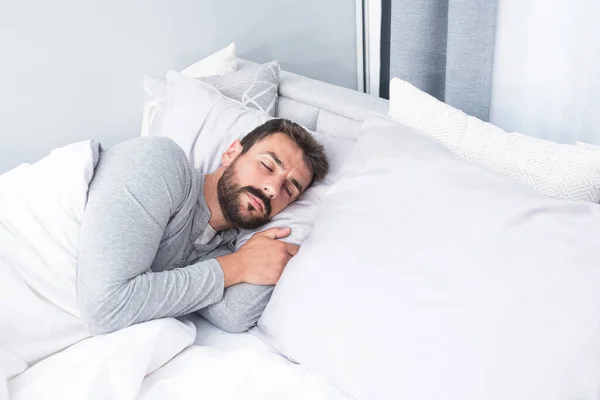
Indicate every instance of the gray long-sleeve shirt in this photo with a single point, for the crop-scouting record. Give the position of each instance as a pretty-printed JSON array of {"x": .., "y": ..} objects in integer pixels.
[{"x": 138, "y": 258}]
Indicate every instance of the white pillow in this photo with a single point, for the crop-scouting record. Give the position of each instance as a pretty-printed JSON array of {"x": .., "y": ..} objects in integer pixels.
[
  {"x": 560, "y": 171},
  {"x": 219, "y": 63},
  {"x": 427, "y": 277},
  {"x": 204, "y": 123},
  {"x": 588, "y": 146}
]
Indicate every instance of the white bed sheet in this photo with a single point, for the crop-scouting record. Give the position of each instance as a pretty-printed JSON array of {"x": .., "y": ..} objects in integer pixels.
[
  {"x": 224, "y": 365},
  {"x": 159, "y": 360}
]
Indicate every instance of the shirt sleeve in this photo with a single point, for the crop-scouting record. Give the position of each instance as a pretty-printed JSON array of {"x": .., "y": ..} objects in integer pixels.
[
  {"x": 137, "y": 186},
  {"x": 241, "y": 307}
]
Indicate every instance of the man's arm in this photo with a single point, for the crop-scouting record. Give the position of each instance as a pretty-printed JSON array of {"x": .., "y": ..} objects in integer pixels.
[
  {"x": 137, "y": 186},
  {"x": 243, "y": 303},
  {"x": 240, "y": 308}
]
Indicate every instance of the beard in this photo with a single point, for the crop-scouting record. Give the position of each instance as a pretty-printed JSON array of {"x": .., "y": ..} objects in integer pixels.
[{"x": 231, "y": 201}]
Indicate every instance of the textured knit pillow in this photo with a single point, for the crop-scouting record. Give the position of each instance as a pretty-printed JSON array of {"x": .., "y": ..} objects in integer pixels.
[
  {"x": 589, "y": 146},
  {"x": 560, "y": 171}
]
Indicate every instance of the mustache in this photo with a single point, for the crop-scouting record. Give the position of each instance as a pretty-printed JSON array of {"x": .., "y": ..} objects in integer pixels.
[{"x": 260, "y": 195}]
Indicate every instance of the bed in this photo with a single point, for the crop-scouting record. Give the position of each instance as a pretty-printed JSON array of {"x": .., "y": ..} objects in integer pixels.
[{"x": 483, "y": 269}]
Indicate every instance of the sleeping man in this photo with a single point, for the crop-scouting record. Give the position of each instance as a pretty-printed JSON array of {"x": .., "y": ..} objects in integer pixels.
[{"x": 157, "y": 237}]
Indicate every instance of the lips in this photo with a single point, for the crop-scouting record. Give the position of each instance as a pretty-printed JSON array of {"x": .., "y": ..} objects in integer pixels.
[{"x": 257, "y": 203}]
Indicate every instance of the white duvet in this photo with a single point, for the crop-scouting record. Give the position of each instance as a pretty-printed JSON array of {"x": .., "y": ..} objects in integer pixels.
[{"x": 46, "y": 351}]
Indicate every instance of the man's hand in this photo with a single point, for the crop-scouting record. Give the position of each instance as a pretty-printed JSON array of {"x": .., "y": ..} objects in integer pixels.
[{"x": 260, "y": 260}]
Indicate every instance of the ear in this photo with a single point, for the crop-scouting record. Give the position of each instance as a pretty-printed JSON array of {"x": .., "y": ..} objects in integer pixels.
[{"x": 234, "y": 150}]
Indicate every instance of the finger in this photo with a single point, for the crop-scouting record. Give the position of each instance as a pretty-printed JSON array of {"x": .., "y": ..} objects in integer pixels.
[
  {"x": 292, "y": 249},
  {"x": 275, "y": 233}
]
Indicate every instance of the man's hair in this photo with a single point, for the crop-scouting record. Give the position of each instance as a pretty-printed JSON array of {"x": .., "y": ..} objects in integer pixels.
[{"x": 314, "y": 153}]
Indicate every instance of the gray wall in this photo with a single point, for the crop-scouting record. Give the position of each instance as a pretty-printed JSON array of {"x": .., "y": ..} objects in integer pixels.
[
  {"x": 72, "y": 70},
  {"x": 546, "y": 69}
]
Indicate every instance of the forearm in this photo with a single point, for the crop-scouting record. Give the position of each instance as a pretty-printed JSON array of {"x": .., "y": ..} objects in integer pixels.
[
  {"x": 240, "y": 307},
  {"x": 261, "y": 261}
]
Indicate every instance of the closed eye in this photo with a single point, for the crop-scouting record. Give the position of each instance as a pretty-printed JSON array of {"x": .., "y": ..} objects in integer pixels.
[
  {"x": 288, "y": 191},
  {"x": 266, "y": 166}
]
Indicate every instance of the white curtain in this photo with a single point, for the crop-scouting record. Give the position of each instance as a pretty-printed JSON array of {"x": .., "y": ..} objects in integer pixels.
[{"x": 546, "y": 72}]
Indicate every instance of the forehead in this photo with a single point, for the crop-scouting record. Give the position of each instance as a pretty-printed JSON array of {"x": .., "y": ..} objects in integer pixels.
[{"x": 287, "y": 151}]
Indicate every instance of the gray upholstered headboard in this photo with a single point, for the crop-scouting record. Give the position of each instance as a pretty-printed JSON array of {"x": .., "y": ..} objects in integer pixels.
[{"x": 324, "y": 107}]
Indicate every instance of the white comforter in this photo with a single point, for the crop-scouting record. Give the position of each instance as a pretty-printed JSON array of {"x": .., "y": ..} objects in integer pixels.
[{"x": 46, "y": 351}]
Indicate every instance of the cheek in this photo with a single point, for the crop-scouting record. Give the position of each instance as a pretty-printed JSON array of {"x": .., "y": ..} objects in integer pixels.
[
  {"x": 278, "y": 205},
  {"x": 247, "y": 175}
]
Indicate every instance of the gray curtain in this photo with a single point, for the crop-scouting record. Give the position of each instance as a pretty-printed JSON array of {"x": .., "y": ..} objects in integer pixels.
[{"x": 446, "y": 48}]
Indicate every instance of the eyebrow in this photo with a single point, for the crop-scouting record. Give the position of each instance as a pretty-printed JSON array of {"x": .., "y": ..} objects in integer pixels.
[
  {"x": 276, "y": 159},
  {"x": 282, "y": 166}
]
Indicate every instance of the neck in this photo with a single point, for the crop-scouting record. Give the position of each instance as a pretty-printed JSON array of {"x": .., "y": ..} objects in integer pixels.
[{"x": 217, "y": 220}]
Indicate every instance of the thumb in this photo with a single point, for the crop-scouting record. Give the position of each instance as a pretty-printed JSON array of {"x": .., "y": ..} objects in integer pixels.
[{"x": 275, "y": 233}]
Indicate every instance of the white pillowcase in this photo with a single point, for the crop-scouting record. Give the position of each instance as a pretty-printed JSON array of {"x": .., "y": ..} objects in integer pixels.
[
  {"x": 428, "y": 277},
  {"x": 204, "y": 123},
  {"x": 557, "y": 170},
  {"x": 219, "y": 63},
  {"x": 588, "y": 146}
]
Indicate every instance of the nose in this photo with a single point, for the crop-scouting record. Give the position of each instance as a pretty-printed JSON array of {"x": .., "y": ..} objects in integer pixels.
[{"x": 272, "y": 188}]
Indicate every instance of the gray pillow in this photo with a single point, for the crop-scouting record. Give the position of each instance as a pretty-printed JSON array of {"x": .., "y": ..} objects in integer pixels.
[{"x": 254, "y": 86}]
